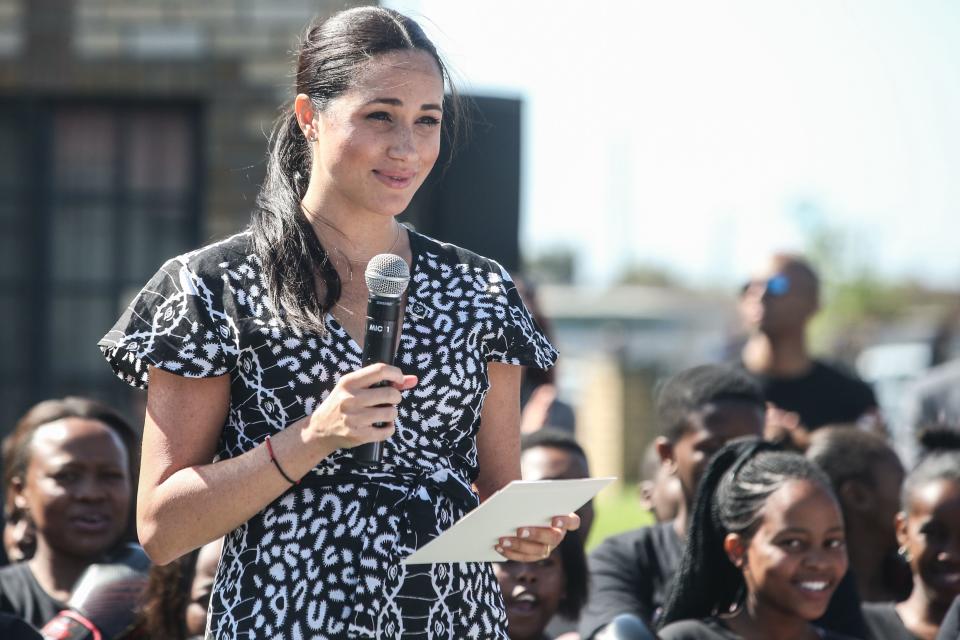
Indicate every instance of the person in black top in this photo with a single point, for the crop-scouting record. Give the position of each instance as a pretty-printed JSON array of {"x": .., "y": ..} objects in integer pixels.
[
  {"x": 950, "y": 627},
  {"x": 660, "y": 492},
  {"x": 867, "y": 476},
  {"x": 16, "y": 629},
  {"x": 553, "y": 454},
  {"x": 534, "y": 592},
  {"x": 776, "y": 305},
  {"x": 69, "y": 470},
  {"x": 765, "y": 549},
  {"x": 699, "y": 410},
  {"x": 928, "y": 530}
]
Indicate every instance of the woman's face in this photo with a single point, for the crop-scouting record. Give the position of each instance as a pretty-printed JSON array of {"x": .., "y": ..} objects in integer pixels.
[
  {"x": 532, "y": 592},
  {"x": 795, "y": 560},
  {"x": 377, "y": 142},
  {"x": 77, "y": 487},
  {"x": 930, "y": 532}
]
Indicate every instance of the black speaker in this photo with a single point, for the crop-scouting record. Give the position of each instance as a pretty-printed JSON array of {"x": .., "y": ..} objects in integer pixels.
[{"x": 472, "y": 199}]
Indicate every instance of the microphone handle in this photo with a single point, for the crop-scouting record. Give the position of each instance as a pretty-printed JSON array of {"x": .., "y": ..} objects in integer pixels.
[{"x": 379, "y": 345}]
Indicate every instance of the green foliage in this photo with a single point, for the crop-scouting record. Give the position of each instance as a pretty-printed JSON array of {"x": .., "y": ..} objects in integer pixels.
[
  {"x": 855, "y": 299},
  {"x": 647, "y": 274},
  {"x": 616, "y": 512}
]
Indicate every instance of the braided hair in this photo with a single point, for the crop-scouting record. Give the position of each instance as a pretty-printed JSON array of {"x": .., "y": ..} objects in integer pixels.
[{"x": 732, "y": 493}]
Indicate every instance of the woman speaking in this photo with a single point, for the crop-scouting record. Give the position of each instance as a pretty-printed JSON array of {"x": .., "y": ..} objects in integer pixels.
[{"x": 257, "y": 394}]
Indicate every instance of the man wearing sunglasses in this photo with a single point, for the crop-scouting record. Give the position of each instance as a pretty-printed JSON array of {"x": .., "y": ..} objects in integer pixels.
[{"x": 806, "y": 393}]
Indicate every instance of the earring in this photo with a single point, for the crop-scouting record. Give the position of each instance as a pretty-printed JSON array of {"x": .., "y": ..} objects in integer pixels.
[{"x": 904, "y": 553}]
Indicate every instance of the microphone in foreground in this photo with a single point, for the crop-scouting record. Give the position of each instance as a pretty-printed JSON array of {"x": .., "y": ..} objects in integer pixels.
[
  {"x": 387, "y": 277},
  {"x": 105, "y": 599}
]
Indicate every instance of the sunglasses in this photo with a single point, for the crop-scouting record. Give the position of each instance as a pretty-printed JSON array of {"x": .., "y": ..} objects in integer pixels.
[{"x": 776, "y": 286}]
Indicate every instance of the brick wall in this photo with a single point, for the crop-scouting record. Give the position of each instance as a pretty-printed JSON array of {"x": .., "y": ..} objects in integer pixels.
[{"x": 234, "y": 57}]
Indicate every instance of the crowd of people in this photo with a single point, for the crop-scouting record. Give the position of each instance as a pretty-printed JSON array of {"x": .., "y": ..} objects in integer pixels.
[
  {"x": 781, "y": 509},
  {"x": 792, "y": 518}
]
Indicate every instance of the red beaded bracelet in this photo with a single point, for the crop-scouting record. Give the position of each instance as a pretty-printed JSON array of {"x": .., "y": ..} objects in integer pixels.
[{"x": 273, "y": 459}]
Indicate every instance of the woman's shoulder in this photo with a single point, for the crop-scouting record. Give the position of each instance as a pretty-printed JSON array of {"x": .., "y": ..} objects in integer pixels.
[
  {"x": 708, "y": 629},
  {"x": 219, "y": 255},
  {"x": 15, "y": 575},
  {"x": 439, "y": 254},
  {"x": 883, "y": 621}
]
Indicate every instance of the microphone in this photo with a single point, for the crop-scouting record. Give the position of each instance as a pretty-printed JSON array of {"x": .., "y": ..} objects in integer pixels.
[
  {"x": 387, "y": 277},
  {"x": 105, "y": 599}
]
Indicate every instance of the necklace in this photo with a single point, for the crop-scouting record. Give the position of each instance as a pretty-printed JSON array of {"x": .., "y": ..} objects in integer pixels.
[
  {"x": 340, "y": 306},
  {"x": 351, "y": 262}
]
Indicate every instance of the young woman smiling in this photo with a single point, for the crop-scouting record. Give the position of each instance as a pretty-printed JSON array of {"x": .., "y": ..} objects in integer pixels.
[{"x": 765, "y": 550}]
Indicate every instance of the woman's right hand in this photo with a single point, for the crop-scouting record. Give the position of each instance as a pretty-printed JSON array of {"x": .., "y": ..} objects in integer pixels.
[{"x": 346, "y": 417}]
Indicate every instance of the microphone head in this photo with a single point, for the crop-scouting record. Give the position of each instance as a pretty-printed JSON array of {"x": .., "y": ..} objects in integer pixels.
[{"x": 387, "y": 275}]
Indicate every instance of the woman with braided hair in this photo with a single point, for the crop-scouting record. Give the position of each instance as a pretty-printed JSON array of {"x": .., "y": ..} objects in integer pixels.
[{"x": 765, "y": 550}]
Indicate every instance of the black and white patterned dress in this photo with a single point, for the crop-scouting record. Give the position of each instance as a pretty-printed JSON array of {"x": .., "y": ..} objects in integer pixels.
[{"x": 322, "y": 561}]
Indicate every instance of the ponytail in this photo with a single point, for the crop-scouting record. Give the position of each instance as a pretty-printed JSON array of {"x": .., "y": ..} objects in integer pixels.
[{"x": 289, "y": 250}]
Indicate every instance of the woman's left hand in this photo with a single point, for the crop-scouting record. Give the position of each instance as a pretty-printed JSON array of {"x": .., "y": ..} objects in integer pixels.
[{"x": 532, "y": 544}]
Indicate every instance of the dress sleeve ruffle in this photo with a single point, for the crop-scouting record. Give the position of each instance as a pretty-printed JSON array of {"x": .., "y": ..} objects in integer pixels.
[
  {"x": 514, "y": 336},
  {"x": 176, "y": 323}
]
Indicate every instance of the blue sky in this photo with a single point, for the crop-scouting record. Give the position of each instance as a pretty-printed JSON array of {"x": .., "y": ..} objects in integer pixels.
[{"x": 688, "y": 134}]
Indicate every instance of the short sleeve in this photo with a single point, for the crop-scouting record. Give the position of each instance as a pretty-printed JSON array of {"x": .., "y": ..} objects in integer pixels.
[
  {"x": 176, "y": 323},
  {"x": 516, "y": 337}
]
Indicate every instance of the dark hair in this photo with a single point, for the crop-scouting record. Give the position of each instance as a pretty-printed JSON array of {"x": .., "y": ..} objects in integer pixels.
[
  {"x": 734, "y": 489},
  {"x": 330, "y": 58},
  {"x": 847, "y": 453},
  {"x": 551, "y": 437},
  {"x": 939, "y": 460},
  {"x": 690, "y": 390},
  {"x": 16, "y": 446},
  {"x": 163, "y": 606},
  {"x": 576, "y": 576}
]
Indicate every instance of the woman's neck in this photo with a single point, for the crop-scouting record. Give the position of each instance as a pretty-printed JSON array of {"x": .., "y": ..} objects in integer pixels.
[
  {"x": 353, "y": 235},
  {"x": 757, "y": 622},
  {"x": 786, "y": 356},
  {"x": 922, "y": 615},
  {"x": 56, "y": 573}
]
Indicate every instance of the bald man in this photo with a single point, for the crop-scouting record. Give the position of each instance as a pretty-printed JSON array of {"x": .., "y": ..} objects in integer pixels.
[{"x": 806, "y": 393}]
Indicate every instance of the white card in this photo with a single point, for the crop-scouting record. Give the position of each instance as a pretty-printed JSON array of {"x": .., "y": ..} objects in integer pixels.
[{"x": 519, "y": 504}]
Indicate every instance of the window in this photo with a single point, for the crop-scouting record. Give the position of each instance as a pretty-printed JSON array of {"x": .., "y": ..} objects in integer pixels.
[{"x": 93, "y": 198}]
